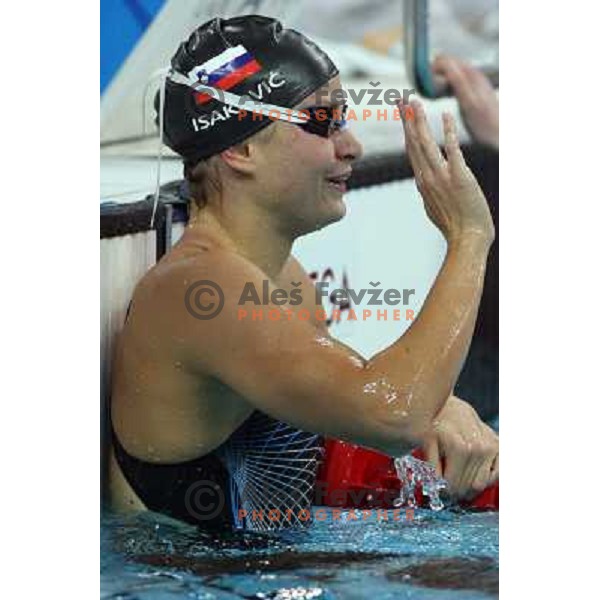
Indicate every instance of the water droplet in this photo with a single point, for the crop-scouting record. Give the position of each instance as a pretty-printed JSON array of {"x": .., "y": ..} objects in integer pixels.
[{"x": 412, "y": 472}]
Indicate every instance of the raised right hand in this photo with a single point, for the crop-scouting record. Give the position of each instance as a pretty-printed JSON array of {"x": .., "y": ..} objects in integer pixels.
[{"x": 453, "y": 199}]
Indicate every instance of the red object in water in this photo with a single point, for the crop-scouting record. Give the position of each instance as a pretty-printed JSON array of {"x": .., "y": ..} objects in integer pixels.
[{"x": 355, "y": 477}]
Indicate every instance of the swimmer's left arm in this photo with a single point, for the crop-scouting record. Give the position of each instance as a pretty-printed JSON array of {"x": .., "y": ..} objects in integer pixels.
[{"x": 467, "y": 445}]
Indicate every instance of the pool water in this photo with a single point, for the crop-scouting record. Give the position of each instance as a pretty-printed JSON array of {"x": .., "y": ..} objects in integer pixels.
[{"x": 449, "y": 554}]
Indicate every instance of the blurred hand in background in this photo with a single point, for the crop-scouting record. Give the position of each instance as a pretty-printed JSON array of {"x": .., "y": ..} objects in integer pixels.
[{"x": 477, "y": 98}]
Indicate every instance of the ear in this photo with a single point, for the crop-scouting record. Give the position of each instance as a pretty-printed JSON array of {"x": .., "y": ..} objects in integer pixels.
[{"x": 241, "y": 158}]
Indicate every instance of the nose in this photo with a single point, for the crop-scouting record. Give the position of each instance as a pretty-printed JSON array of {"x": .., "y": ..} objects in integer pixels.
[{"x": 347, "y": 147}]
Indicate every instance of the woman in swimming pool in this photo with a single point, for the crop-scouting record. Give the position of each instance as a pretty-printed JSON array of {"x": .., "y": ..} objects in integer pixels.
[{"x": 215, "y": 417}]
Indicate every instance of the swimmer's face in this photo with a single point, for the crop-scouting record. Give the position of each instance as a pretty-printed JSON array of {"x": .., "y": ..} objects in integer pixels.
[{"x": 299, "y": 166}]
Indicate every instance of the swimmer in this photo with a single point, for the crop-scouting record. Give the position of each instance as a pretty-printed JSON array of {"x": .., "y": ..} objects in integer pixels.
[{"x": 217, "y": 418}]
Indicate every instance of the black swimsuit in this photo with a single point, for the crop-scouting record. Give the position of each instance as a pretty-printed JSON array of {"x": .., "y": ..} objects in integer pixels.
[{"x": 262, "y": 478}]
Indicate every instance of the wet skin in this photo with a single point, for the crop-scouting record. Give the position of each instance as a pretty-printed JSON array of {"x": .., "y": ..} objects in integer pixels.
[{"x": 182, "y": 385}]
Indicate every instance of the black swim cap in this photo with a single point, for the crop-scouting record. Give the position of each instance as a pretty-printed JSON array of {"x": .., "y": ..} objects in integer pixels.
[{"x": 248, "y": 56}]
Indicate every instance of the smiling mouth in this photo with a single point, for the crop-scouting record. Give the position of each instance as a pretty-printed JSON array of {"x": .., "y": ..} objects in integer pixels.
[{"x": 339, "y": 182}]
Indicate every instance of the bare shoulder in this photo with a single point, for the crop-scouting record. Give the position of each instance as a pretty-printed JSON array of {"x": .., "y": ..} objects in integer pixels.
[
  {"x": 194, "y": 280},
  {"x": 183, "y": 277},
  {"x": 193, "y": 296}
]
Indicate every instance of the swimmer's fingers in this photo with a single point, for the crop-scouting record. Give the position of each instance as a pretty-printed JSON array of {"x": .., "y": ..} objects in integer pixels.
[
  {"x": 469, "y": 447},
  {"x": 454, "y": 155},
  {"x": 457, "y": 459},
  {"x": 425, "y": 138},
  {"x": 482, "y": 478},
  {"x": 495, "y": 475},
  {"x": 416, "y": 156},
  {"x": 475, "y": 469},
  {"x": 468, "y": 466},
  {"x": 487, "y": 453},
  {"x": 432, "y": 455},
  {"x": 493, "y": 449}
]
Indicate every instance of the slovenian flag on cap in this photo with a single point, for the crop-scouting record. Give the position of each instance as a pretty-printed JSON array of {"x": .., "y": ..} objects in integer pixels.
[{"x": 225, "y": 70}]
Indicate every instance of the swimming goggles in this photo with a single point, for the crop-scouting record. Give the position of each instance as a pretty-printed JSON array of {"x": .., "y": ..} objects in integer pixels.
[{"x": 323, "y": 121}]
